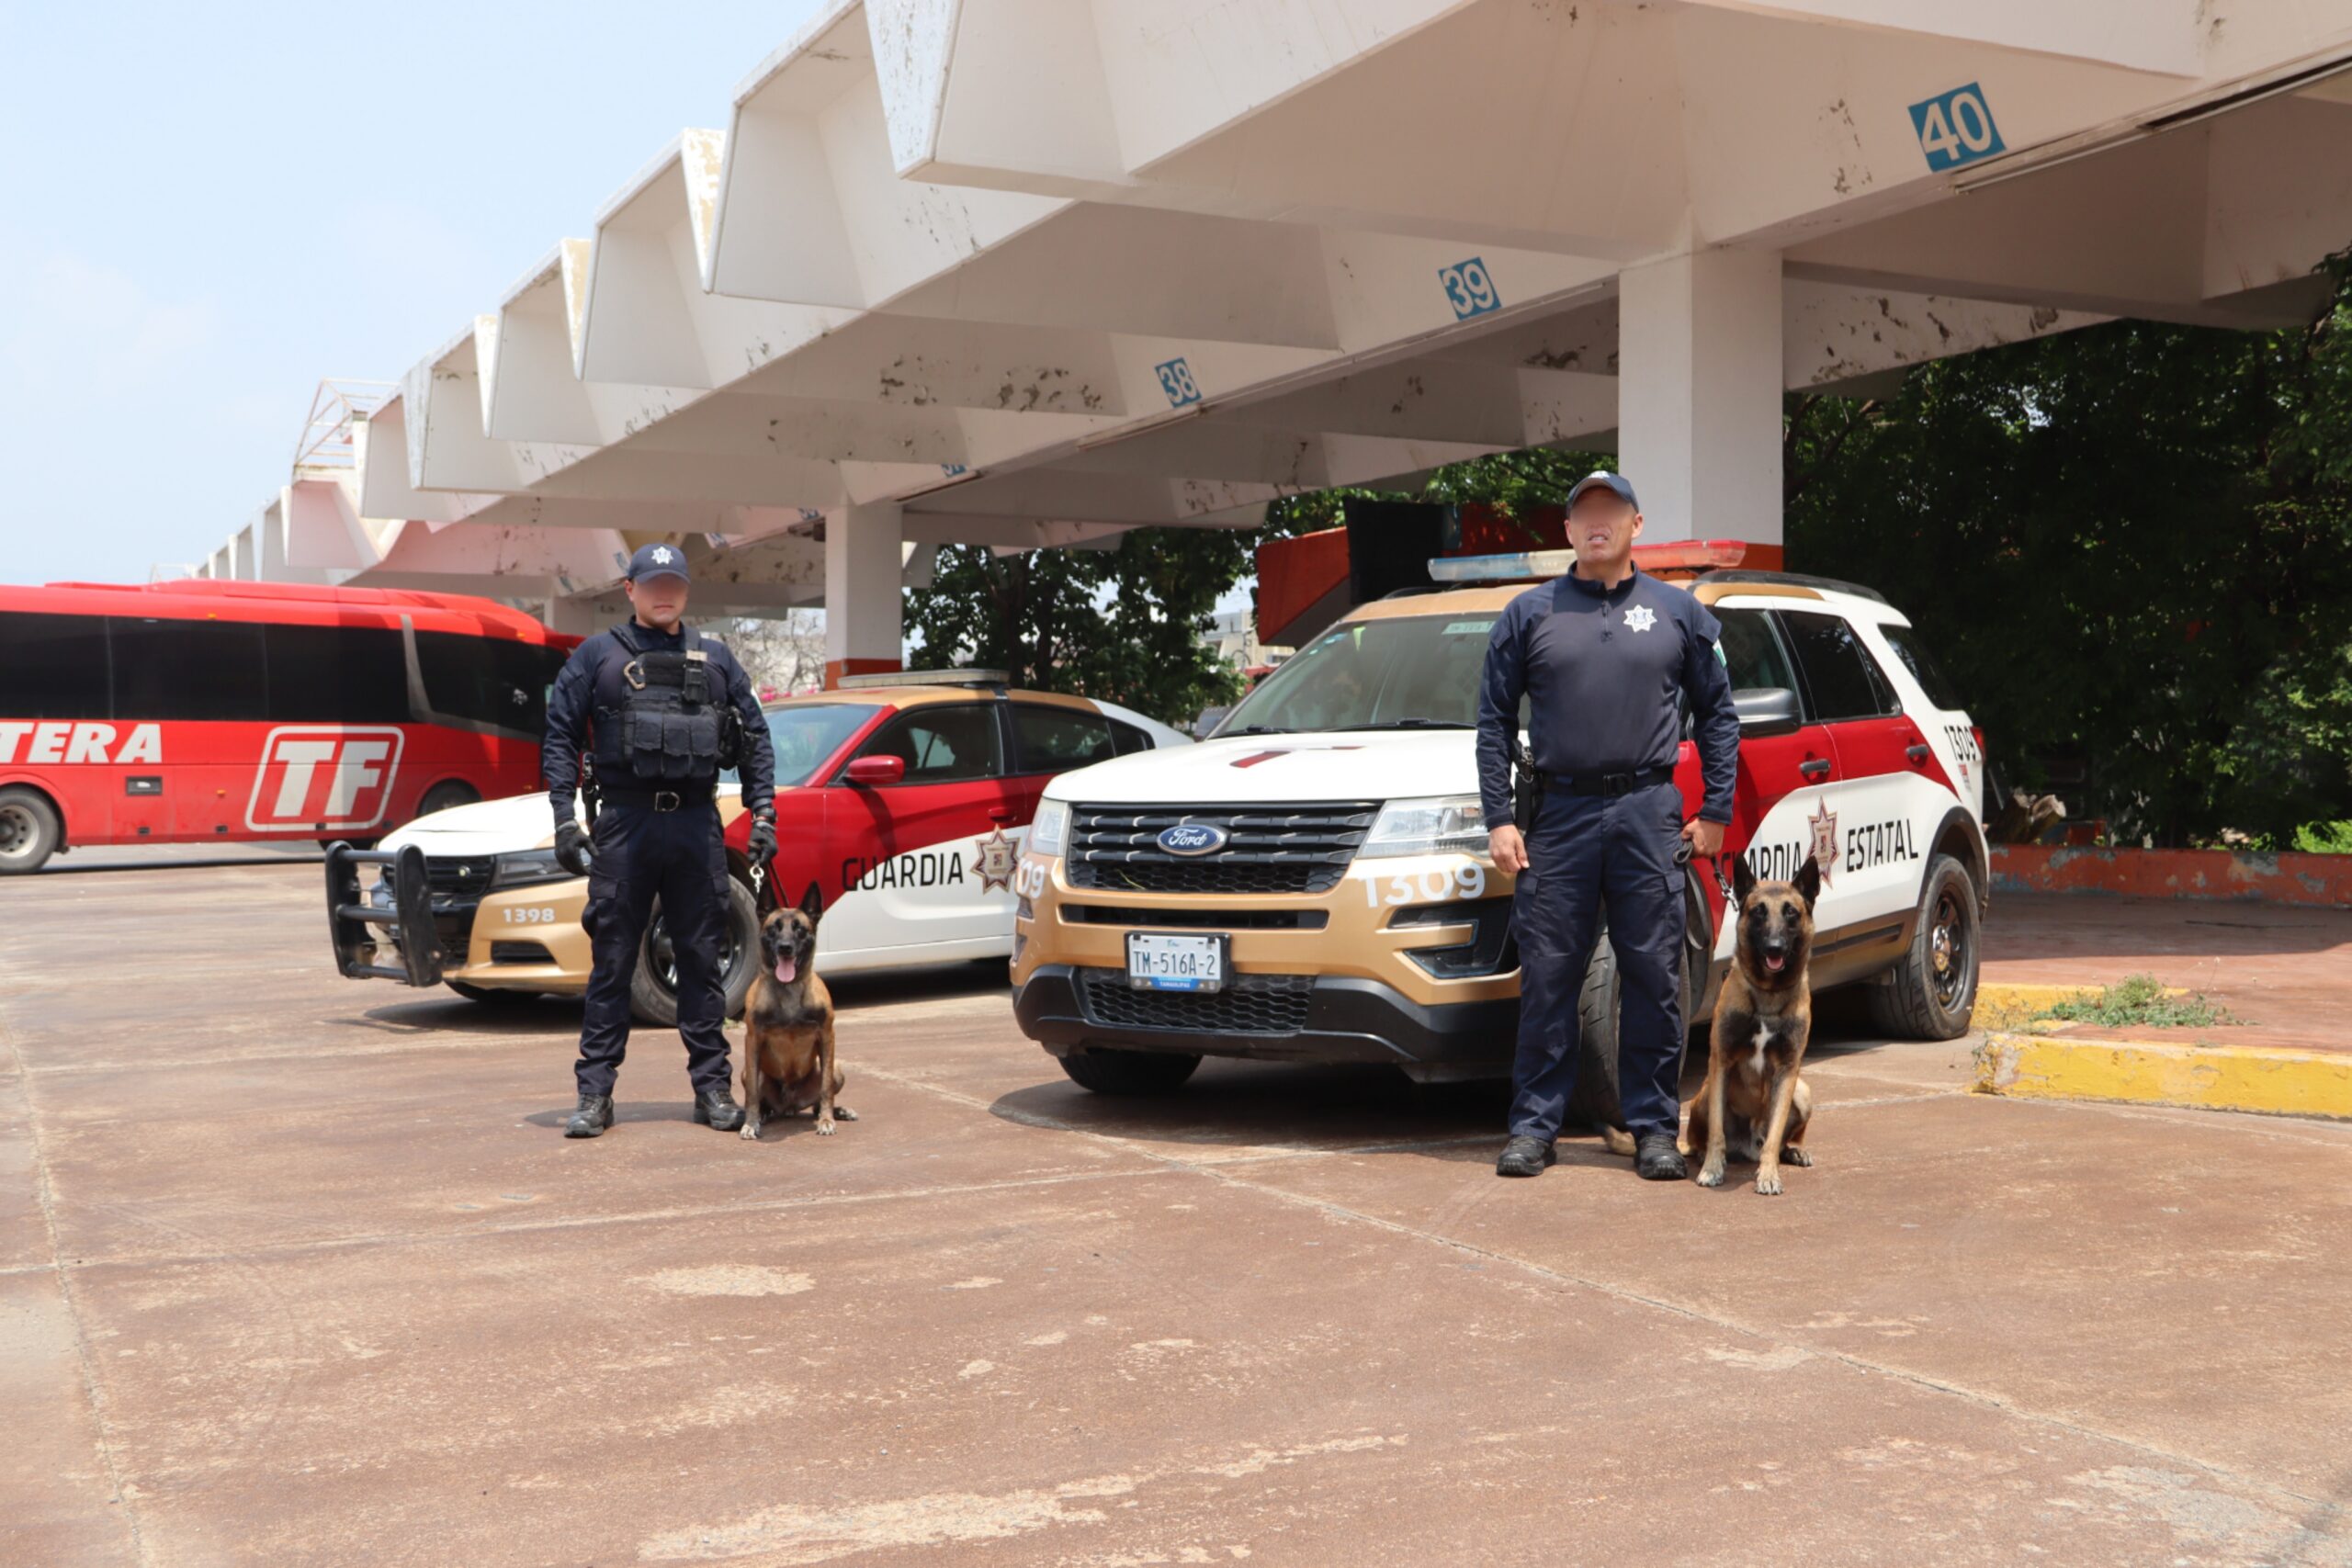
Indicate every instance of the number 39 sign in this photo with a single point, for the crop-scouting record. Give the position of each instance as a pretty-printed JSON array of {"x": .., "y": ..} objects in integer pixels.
[{"x": 1955, "y": 128}]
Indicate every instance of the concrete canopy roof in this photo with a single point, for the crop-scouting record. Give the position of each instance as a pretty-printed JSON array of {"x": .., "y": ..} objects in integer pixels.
[{"x": 1030, "y": 272}]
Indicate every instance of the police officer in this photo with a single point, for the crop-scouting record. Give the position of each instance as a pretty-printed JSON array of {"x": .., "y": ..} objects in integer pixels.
[
  {"x": 1601, "y": 654},
  {"x": 651, "y": 700}
]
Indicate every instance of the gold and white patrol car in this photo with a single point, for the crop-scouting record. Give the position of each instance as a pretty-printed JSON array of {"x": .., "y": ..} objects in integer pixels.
[
  {"x": 903, "y": 802},
  {"x": 1312, "y": 881}
]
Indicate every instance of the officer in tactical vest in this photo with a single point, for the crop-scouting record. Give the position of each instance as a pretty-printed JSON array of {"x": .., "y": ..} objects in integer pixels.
[{"x": 661, "y": 709}]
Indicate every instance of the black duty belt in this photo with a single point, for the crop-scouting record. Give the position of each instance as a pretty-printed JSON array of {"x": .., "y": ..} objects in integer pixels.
[
  {"x": 677, "y": 799},
  {"x": 1606, "y": 783}
]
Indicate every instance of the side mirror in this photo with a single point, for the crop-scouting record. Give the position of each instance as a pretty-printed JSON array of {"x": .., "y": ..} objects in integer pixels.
[
  {"x": 1767, "y": 710},
  {"x": 871, "y": 771}
]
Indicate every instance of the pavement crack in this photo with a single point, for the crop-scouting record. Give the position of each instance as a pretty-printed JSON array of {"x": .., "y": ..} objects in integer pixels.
[
  {"x": 45, "y": 1195},
  {"x": 580, "y": 1222}
]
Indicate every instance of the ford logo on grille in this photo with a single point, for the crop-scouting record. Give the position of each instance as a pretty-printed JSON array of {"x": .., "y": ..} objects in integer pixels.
[{"x": 1190, "y": 839}]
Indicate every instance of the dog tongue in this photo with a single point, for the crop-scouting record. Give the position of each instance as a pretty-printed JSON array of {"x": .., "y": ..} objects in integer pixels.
[
  {"x": 1775, "y": 962},
  {"x": 785, "y": 970}
]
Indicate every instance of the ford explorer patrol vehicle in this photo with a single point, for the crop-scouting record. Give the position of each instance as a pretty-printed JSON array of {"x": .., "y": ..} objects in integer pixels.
[
  {"x": 903, "y": 799},
  {"x": 1312, "y": 881}
]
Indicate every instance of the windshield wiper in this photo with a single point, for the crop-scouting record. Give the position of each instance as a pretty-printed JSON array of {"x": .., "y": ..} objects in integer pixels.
[{"x": 1409, "y": 724}]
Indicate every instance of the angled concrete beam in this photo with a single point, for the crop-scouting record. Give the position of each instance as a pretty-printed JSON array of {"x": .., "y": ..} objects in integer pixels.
[
  {"x": 1136, "y": 79},
  {"x": 1831, "y": 333},
  {"x": 2150, "y": 35},
  {"x": 647, "y": 320}
]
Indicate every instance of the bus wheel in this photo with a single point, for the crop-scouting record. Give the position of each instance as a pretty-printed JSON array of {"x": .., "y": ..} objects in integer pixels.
[
  {"x": 653, "y": 990},
  {"x": 447, "y": 796},
  {"x": 30, "y": 830}
]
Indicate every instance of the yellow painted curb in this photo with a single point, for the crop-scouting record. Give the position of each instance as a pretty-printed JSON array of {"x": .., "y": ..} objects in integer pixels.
[
  {"x": 2008, "y": 1005},
  {"x": 2146, "y": 1072}
]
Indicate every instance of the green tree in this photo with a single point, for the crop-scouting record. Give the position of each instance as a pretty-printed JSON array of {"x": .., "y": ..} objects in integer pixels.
[
  {"x": 1122, "y": 623},
  {"x": 2131, "y": 545}
]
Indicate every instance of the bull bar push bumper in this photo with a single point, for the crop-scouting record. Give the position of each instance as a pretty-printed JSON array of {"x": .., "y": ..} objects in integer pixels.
[{"x": 352, "y": 921}]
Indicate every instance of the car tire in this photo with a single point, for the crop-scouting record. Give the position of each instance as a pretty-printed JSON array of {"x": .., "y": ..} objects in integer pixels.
[
  {"x": 1595, "y": 1101},
  {"x": 652, "y": 998},
  {"x": 1129, "y": 1072},
  {"x": 490, "y": 996},
  {"x": 1932, "y": 992},
  {"x": 447, "y": 795},
  {"x": 30, "y": 830}
]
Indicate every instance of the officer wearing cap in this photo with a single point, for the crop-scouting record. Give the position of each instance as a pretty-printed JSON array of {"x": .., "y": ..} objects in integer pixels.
[
  {"x": 1601, "y": 654},
  {"x": 660, "y": 709}
]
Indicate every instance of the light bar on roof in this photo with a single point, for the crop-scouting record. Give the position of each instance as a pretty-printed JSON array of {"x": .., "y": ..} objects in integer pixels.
[
  {"x": 923, "y": 678},
  {"x": 1518, "y": 567}
]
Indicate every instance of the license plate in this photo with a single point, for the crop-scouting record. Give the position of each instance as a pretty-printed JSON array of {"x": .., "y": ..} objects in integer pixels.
[{"x": 1156, "y": 962}]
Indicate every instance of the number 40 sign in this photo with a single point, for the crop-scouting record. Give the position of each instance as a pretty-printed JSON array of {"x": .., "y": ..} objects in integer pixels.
[{"x": 1956, "y": 127}]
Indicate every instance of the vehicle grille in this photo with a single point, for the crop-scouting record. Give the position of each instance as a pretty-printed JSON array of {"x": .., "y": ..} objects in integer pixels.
[
  {"x": 1210, "y": 919},
  {"x": 1251, "y": 1004},
  {"x": 519, "y": 952},
  {"x": 457, "y": 883},
  {"x": 459, "y": 875},
  {"x": 1287, "y": 849}
]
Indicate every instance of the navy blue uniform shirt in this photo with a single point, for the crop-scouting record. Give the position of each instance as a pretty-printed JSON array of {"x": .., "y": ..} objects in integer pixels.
[
  {"x": 1601, "y": 668},
  {"x": 591, "y": 684}
]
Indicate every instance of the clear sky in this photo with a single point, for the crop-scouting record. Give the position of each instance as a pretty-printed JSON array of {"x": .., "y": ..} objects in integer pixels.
[{"x": 209, "y": 207}]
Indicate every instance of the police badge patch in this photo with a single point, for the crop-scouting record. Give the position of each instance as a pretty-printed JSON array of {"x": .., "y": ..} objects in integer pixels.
[
  {"x": 996, "y": 862},
  {"x": 1824, "y": 823}
]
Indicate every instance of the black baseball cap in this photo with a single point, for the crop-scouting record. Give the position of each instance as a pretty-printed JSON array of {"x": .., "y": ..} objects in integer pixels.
[
  {"x": 658, "y": 560},
  {"x": 1599, "y": 478}
]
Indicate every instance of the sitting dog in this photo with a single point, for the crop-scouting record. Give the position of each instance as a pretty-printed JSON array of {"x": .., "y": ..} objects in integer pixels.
[
  {"x": 788, "y": 1063},
  {"x": 1753, "y": 1095}
]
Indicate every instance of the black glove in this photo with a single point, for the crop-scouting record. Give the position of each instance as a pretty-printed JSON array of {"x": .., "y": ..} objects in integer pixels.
[
  {"x": 571, "y": 848},
  {"x": 762, "y": 845}
]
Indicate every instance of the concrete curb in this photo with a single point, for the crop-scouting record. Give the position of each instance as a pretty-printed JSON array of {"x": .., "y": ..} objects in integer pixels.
[
  {"x": 2148, "y": 1072},
  {"x": 2011, "y": 1005}
]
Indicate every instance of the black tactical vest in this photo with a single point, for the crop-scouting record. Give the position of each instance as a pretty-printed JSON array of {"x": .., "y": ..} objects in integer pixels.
[{"x": 669, "y": 722}]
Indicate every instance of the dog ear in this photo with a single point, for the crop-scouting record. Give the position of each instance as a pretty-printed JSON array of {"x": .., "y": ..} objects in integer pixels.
[
  {"x": 1808, "y": 883},
  {"x": 1743, "y": 880},
  {"x": 812, "y": 904}
]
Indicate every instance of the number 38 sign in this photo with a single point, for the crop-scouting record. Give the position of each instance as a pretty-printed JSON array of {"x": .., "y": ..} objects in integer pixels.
[{"x": 1955, "y": 128}]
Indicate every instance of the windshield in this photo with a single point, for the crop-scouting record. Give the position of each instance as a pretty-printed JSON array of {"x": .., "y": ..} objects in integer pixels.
[
  {"x": 805, "y": 734},
  {"x": 1412, "y": 672}
]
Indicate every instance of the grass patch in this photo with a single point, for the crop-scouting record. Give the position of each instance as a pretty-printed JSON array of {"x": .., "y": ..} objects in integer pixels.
[{"x": 2138, "y": 1001}]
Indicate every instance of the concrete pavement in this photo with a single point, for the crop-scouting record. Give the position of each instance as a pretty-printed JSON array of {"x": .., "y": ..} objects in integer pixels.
[{"x": 295, "y": 1270}]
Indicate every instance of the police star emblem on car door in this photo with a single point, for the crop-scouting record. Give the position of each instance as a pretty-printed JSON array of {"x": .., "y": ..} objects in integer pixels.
[
  {"x": 1824, "y": 823},
  {"x": 996, "y": 862}
]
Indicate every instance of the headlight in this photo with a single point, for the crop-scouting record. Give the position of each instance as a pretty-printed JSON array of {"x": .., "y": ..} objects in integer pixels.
[
  {"x": 1049, "y": 832},
  {"x": 1446, "y": 823},
  {"x": 527, "y": 868}
]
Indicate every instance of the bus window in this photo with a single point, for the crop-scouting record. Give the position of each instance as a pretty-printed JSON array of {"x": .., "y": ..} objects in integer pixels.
[
  {"x": 481, "y": 682},
  {"x": 336, "y": 675},
  {"x": 188, "y": 670},
  {"x": 53, "y": 667}
]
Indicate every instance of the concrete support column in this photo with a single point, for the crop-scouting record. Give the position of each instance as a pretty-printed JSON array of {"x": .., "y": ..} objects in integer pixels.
[
  {"x": 1699, "y": 379},
  {"x": 863, "y": 559}
]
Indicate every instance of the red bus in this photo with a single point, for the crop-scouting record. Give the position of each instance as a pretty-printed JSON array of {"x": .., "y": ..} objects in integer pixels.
[{"x": 195, "y": 711}]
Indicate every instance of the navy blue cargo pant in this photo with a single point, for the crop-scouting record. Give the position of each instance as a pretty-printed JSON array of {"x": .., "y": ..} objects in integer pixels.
[
  {"x": 1588, "y": 854},
  {"x": 676, "y": 856}
]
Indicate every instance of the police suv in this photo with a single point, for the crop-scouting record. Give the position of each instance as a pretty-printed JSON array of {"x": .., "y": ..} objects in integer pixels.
[{"x": 1312, "y": 881}]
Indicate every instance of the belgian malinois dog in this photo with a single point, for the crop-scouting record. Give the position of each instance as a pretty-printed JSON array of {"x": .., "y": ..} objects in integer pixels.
[
  {"x": 1752, "y": 1094},
  {"x": 788, "y": 1063}
]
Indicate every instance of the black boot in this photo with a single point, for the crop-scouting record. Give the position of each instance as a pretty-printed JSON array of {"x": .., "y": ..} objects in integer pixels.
[
  {"x": 717, "y": 1108},
  {"x": 1525, "y": 1155},
  {"x": 596, "y": 1114},
  {"x": 1656, "y": 1159}
]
